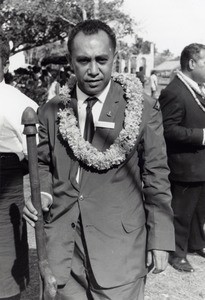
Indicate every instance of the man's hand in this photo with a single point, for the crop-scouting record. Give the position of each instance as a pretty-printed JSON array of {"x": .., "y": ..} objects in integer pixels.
[
  {"x": 30, "y": 214},
  {"x": 159, "y": 258}
]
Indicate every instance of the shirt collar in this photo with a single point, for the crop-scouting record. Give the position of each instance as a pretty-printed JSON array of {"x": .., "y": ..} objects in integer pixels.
[
  {"x": 101, "y": 96},
  {"x": 192, "y": 83}
]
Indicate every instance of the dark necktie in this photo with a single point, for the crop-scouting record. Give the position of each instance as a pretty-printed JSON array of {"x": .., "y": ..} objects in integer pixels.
[{"x": 89, "y": 124}]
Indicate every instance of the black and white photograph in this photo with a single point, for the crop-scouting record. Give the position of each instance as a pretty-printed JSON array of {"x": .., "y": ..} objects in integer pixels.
[{"x": 102, "y": 150}]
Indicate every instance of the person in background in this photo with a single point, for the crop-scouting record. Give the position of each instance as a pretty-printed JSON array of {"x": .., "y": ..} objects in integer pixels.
[
  {"x": 125, "y": 69},
  {"x": 183, "y": 109},
  {"x": 141, "y": 76},
  {"x": 59, "y": 81},
  {"x": 14, "y": 273},
  {"x": 153, "y": 84},
  {"x": 101, "y": 232}
]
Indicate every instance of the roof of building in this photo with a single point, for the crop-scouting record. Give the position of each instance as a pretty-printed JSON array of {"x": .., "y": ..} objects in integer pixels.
[{"x": 168, "y": 65}]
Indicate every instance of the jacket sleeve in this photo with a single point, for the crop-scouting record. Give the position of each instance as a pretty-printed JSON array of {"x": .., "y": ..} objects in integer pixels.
[
  {"x": 44, "y": 155},
  {"x": 156, "y": 186},
  {"x": 173, "y": 111}
]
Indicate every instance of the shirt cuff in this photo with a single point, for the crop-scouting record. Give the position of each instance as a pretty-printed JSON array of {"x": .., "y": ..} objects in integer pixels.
[{"x": 49, "y": 196}]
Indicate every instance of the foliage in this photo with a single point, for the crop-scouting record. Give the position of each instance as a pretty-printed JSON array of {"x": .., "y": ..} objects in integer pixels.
[
  {"x": 111, "y": 14},
  {"x": 32, "y": 86},
  {"x": 167, "y": 53},
  {"x": 141, "y": 46},
  {"x": 29, "y": 23}
]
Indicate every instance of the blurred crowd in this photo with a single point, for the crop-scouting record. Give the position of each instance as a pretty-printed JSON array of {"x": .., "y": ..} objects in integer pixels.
[{"x": 36, "y": 81}]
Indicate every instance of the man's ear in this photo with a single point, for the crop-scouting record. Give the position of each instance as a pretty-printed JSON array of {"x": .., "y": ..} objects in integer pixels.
[{"x": 191, "y": 64}]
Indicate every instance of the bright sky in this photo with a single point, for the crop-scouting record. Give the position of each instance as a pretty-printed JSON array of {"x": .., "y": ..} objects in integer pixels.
[{"x": 170, "y": 24}]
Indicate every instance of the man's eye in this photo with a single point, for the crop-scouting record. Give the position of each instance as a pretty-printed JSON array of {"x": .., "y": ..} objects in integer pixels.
[
  {"x": 102, "y": 60},
  {"x": 83, "y": 61}
]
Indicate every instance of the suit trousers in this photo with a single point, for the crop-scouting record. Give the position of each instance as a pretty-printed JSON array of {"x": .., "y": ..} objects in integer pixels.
[
  {"x": 189, "y": 216},
  {"x": 82, "y": 284}
]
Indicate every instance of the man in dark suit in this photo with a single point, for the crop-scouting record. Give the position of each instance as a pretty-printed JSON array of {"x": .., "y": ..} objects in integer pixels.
[
  {"x": 102, "y": 231},
  {"x": 183, "y": 109}
]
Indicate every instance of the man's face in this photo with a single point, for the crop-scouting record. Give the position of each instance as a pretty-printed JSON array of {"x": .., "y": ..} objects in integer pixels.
[
  {"x": 92, "y": 60},
  {"x": 198, "y": 73}
]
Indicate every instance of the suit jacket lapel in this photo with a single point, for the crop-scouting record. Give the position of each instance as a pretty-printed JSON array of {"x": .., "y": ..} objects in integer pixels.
[
  {"x": 201, "y": 99},
  {"x": 114, "y": 101},
  {"x": 73, "y": 103},
  {"x": 74, "y": 162},
  {"x": 199, "y": 96}
]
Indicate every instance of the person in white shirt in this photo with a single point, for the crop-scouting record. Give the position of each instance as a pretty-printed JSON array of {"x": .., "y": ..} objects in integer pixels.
[
  {"x": 13, "y": 152},
  {"x": 153, "y": 84}
]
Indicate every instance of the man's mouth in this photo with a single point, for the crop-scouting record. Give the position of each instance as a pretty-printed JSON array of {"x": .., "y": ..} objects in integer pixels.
[{"x": 93, "y": 82}]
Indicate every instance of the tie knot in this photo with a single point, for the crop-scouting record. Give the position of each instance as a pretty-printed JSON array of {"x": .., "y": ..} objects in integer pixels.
[{"x": 91, "y": 101}]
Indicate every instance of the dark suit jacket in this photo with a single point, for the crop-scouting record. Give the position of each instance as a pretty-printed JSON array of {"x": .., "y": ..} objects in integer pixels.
[
  {"x": 111, "y": 203},
  {"x": 183, "y": 121}
]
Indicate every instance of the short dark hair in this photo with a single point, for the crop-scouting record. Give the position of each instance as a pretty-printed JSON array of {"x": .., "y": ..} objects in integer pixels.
[
  {"x": 4, "y": 47},
  {"x": 191, "y": 51},
  {"x": 89, "y": 27}
]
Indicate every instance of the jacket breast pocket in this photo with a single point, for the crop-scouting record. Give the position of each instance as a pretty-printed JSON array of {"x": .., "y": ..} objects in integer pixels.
[{"x": 134, "y": 220}]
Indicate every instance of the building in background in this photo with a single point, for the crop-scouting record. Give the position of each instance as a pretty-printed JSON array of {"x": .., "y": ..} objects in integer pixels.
[{"x": 167, "y": 70}]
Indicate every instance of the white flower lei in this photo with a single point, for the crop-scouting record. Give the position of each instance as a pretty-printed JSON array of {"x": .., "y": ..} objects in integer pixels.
[{"x": 123, "y": 144}]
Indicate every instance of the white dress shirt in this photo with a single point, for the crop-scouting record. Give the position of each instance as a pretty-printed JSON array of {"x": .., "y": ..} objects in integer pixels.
[
  {"x": 96, "y": 109},
  {"x": 12, "y": 105}
]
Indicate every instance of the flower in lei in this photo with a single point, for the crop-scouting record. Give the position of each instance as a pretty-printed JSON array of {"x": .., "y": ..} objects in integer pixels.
[{"x": 123, "y": 144}]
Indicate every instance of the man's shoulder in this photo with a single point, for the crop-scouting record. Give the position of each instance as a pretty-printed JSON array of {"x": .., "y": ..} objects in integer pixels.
[
  {"x": 51, "y": 107},
  {"x": 151, "y": 112},
  {"x": 21, "y": 99},
  {"x": 151, "y": 107},
  {"x": 175, "y": 85},
  {"x": 116, "y": 89},
  {"x": 175, "y": 89},
  {"x": 150, "y": 102}
]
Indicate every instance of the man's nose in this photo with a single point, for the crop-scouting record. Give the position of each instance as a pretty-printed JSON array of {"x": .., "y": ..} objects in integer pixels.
[{"x": 93, "y": 68}]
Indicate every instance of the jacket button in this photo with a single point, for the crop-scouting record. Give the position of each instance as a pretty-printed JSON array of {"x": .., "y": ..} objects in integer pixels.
[
  {"x": 81, "y": 198},
  {"x": 73, "y": 225}
]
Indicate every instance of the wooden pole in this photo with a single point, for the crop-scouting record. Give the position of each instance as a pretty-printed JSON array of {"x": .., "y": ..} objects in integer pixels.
[{"x": 49, "y": 289}]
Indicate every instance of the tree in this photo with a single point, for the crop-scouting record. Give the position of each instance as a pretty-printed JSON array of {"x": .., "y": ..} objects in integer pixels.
[
  {"x": 29, "y": 23},
  {"x": 167, "y": 54},
  {"x": 140, "y": 46}
]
